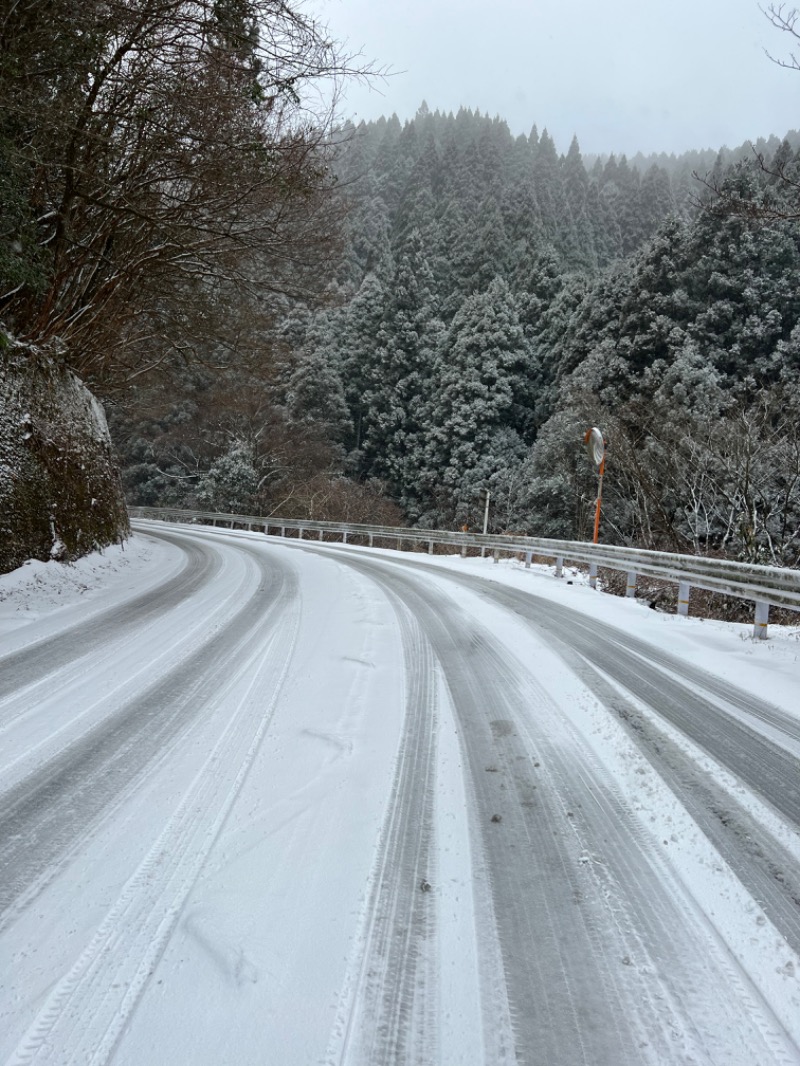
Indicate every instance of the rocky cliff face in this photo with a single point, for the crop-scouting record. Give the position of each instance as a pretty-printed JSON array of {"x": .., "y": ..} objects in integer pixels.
[{"x": 60, "y": 495}]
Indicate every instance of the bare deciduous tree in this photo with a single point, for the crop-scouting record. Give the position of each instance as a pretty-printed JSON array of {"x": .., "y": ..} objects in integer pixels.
[
  {"x": 163, "y": 162},
  {"x": 786, "y": 20},
  {"x": 780, "y": 198}
]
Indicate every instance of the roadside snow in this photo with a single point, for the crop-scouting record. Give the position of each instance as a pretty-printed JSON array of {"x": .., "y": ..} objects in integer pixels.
[{"x": 58, "y": 593}]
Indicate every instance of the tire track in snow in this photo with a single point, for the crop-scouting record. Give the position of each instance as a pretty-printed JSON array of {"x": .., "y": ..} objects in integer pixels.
[
  {"x": 766, "y": 767},
  {"x": 87, "y": 1011},
  {"x": 31, "y": 664},
  {"x": 681, "y": 671},
  {"x": 602, "y": 656},
  {"x": 569, "y": 938},
  {"x": 551, "y": 992},
  {"x": 48, "y": 814},
  {"x": 388, "y": 1012},
  {"x": 45, "y": 717},
  {"x": 565, "y": 1000},
  {"x": 762, "y": 864},
  {"x": 765, "y": 868}
]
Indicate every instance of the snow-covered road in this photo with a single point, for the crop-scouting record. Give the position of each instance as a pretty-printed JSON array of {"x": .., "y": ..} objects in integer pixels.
[{"x": 291, "y": 803}]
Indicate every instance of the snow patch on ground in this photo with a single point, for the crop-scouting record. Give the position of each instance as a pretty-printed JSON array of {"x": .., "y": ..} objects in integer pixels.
[{"x": 36, "y": 589}]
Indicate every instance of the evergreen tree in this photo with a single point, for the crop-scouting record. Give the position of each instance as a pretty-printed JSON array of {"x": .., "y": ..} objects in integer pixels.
[
  {"x": 657, "y": 201},
  {"x": 231, "y": 483},
  {"x": 359, "y": 342},
  {"x": 547, "y": 177},
  {"x": 398, "y": 376},
  {"x": 316, "y": 395},
  {"x": 474, "y": 428}
]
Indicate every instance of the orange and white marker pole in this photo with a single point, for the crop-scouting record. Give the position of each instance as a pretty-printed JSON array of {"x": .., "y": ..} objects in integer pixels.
[
  {"x": 601, "y": 470},
  {"x": 596, "y": 446}
]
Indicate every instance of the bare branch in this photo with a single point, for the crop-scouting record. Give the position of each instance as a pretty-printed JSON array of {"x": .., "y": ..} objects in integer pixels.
[{"x": 166, "y": 149}]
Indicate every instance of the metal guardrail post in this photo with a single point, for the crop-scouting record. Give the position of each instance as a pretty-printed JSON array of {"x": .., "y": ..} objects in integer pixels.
[
  {"x": 430, "y": 547},
  {"x": 559, "y": 566},
  {"x": 344, "y": 536},
  {"x": 371, "y": 538},
  {"x": 321, "y": 534},
  {"x": 593, "y": 575},
  {"x": 630, "y": 587},
  {"x": 684, "y": 588},
  {"x": 761, "y": 620},
  {"x": 528, "y": 557}
]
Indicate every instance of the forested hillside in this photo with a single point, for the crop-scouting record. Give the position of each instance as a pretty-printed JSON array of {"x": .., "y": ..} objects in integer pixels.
[{"x": 495, "y": 298}]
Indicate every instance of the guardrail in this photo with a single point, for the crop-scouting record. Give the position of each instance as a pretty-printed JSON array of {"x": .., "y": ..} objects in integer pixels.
[{"x": 764, "y": 585}]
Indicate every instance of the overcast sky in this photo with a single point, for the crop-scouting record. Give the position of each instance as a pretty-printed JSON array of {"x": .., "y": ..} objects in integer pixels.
[{"x": 624, "y": 75}]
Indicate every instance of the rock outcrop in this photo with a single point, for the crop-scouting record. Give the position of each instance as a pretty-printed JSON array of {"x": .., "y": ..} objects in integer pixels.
[{"x": 60, "y": 492}]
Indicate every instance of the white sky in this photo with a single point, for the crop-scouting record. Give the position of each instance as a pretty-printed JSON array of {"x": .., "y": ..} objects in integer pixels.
[{"x": 624, "y": 75}]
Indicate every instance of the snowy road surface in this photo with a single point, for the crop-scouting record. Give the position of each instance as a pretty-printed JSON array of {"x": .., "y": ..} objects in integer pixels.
[{"x": 290, "y": 803}]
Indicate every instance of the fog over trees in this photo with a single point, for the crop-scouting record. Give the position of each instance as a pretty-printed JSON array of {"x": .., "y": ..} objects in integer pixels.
[
  {"x": 496, "y": 297},
  {"x": 379, "y": 323}
]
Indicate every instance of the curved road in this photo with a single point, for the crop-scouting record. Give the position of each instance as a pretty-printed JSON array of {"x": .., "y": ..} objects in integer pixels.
[
  {"x": 562, "y": 972},
  {"x": 433, "y": 826}
]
